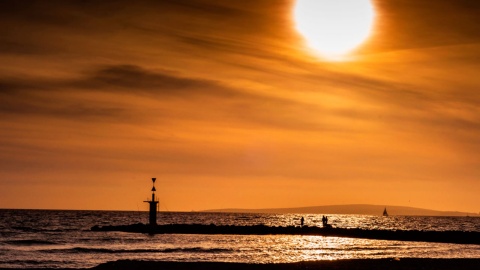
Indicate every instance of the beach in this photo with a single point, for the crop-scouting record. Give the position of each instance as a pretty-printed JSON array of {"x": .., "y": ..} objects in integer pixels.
[
  {"x": 392, "y": 264},
  {"x": 336, "y": 264}
]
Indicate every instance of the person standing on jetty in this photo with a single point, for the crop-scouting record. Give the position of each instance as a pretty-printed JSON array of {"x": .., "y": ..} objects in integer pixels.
[
  {"x": 324, "y": 221},
  {"x": 301, "y": 221}
]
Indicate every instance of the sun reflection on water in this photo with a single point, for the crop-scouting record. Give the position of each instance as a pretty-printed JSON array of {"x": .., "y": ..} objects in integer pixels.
[{"x": 36, "y": 234}]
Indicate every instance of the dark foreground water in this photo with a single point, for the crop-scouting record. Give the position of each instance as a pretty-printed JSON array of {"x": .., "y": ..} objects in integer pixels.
[{"x": 62, "y": 239}]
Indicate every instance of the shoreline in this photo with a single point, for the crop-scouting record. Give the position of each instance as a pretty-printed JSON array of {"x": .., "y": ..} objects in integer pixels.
[{"x": 351, "y": 264}]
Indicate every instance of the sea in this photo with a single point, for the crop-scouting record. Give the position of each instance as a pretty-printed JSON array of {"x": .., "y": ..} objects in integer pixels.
[{"x": 63, "y": 239}]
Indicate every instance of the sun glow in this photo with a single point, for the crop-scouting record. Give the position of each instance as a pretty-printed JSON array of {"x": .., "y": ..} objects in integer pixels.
[{"x": 334, "y": 28}]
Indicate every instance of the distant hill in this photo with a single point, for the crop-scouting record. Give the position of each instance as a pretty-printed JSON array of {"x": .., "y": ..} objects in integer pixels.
[{"x": 358, "y": 209}]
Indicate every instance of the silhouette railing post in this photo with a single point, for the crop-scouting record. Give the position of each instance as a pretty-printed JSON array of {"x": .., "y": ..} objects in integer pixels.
[{"x": 152, "y": 218}]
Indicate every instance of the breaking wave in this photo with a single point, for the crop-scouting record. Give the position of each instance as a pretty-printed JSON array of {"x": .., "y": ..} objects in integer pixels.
[
  {"x": 115, "y": 251},
  {"x": 30, "y": 242}
]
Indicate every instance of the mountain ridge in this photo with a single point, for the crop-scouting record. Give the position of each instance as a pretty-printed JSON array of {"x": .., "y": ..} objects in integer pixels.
[{"x": 355, "y": 209}]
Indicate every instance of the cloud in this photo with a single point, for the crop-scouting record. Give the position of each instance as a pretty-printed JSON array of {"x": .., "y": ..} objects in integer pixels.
[
  {"x": 81, "y": 97},
  {"x": 414, "y": 24},
  {"x": 157, "y": 83},
  {"x": 125, "y": 92}
]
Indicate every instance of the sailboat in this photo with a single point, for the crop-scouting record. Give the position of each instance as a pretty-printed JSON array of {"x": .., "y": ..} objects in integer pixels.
[{"x": 385, "y": 214}]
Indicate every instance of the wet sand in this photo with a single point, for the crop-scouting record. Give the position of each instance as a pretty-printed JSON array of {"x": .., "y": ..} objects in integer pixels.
[
  {"x": 356, "y": 264},
  {"x": 393, "y": 264}
]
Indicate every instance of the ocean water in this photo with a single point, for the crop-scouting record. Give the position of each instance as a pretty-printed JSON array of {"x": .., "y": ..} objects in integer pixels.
[{"x": 62, "y": 239}]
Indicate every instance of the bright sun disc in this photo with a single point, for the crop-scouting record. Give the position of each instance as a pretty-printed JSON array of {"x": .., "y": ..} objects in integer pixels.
[{"x": 334, "y": 27}]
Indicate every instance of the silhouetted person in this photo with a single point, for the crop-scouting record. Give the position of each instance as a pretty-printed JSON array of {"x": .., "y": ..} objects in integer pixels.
[
  {"x": 301, "y": 221},
  {"x": 323, "y": 221}
]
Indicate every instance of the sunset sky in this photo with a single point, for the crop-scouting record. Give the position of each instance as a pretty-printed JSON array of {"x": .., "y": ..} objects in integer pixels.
[{"x": 224, "y": 103}]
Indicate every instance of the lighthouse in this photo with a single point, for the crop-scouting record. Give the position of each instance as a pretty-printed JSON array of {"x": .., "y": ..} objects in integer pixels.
[{"x": 152, "y": 219}]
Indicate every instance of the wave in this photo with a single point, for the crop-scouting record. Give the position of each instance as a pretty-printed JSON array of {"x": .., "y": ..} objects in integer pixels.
[
  {"x": 30, "y": 242},
  {"x": 117, "y": 251},
  {"x": 25, "y": 229},
  {"x": 39, "y": 264},
  {"x": 30, "y": 229}
]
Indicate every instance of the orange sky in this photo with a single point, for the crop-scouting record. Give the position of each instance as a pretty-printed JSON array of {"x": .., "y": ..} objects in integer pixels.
[{"x": 222, "y": 102}]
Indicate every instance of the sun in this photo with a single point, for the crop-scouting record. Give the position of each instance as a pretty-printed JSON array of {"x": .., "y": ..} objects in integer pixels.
[{"x": 334, "y": 28}]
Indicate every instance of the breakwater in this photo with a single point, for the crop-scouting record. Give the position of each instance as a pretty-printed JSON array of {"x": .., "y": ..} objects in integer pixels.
[{"x": 456, "y": 237}]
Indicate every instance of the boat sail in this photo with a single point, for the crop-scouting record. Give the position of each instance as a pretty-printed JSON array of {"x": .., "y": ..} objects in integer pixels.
[{"x": 385, "y": 214}]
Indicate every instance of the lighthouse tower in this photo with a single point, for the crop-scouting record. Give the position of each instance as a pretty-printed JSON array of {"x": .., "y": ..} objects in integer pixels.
[{"x": 153, "y": 206}]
